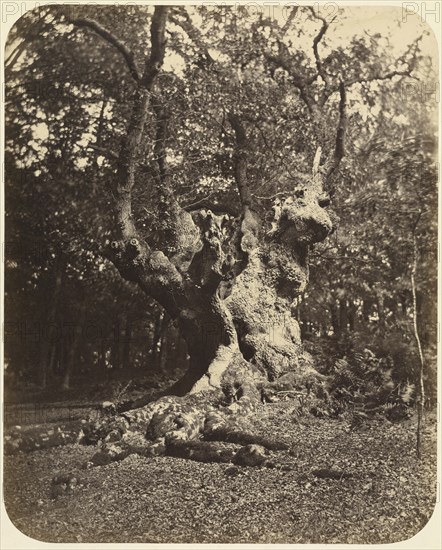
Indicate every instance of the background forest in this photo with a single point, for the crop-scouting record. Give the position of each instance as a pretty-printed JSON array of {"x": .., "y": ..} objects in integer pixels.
[
  {"x": 73, "y": 324},
  {"x": 248, "y": 192}
]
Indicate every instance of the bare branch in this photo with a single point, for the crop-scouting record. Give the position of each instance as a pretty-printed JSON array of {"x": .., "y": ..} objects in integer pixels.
[
  {"x": 34, "y": 32},
  {"x": 198, "y": 202},
  {"x": 130, "y": 146},
  {"x": 241, "y": 160},
  {"x": 103, "y": 150},
  {"x": 204, "y": 59},
  {"x": 157, "y": 33},
  {"x": 386, "y": 76},
  {"x": 411, "y": 50},
  {"x": 316, "y": 41},
  {"x": 188, "y": 27},
  {"x": 15, "y": 55},
  {"x": 112, "y": 39},
  {"x": 301, "y": 82},
  {"x": 283, "y": 61},
  {"x": 290, "y": 18},
  {"x": 340, "y": 134}
]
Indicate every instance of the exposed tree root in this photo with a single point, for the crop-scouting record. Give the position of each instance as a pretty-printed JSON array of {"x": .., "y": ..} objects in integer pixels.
[
  {"x": 25, "y": 440},
  {"x": 201, "y": 451},
  {"x": 226, "y": 433},
  {"x": 208, "y": 424}
]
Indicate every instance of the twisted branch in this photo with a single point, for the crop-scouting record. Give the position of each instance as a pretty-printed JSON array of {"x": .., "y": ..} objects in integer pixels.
[
  {"x": 325, "y": 25},
  {"x": 101, "y": 31}
]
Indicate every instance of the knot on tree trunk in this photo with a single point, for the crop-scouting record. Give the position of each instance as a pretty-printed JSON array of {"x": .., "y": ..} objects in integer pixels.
[
  {"x": 303, "y": 221},
  {"x": 129, "y": 256}
]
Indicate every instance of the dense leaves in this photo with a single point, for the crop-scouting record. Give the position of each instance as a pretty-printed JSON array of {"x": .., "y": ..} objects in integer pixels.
[{"x": 68, "y": 95}]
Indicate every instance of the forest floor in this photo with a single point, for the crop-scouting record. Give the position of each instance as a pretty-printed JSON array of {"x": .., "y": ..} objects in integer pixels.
[{"x": 389, "y": 496}]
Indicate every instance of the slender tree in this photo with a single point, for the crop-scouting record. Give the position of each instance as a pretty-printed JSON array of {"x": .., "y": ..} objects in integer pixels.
[{"x": 421, "y": 370}]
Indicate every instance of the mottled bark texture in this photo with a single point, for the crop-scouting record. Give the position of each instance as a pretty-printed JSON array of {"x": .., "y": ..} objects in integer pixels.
[{"x": 231, "y": 283}]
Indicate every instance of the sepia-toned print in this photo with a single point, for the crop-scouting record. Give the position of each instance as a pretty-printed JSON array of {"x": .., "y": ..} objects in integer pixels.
[{"x": 220, "y": 259}]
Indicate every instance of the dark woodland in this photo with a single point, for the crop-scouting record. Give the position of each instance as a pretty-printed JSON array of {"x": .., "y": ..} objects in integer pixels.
[{"x": 220, "y": 276}]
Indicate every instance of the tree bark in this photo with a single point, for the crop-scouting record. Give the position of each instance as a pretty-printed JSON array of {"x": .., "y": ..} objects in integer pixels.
[
  {"x": 126, "y": 364},
  {"x": 74, "y": 340},
  {"x": 230, "y": 283},
  {"x": 420, "y": 377},
  {"x": 51, "y": 319}
]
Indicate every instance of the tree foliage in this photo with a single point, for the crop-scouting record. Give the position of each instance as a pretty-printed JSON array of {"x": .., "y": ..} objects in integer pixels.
[{"x": 69, "y": 95}]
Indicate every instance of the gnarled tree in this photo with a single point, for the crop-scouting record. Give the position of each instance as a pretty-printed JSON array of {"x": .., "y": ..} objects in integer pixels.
[
  {"x": 230, "y": 283},
  {"x": 229, "y": 277}
]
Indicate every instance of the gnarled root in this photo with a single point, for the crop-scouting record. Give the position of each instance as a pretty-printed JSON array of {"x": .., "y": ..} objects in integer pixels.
[
  {"x": 204, "y": 426},
  {"x": 209, "y": 424}
]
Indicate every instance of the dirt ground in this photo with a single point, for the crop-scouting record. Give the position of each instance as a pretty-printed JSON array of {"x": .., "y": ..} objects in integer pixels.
[{"x": 388, "y": 496}]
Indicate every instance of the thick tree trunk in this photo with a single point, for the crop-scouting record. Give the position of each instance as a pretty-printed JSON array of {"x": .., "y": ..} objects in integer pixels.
[
  {"x": 73, "y": 347},
  {"x": 46, "y": 350},
  {"x": 126, "y": 364},
  {"x": 207, "y": 330},
  {"x": 229, "y": 283},
  {"x": 231, "y": 287},
  {"x": 241, "y": 337}
]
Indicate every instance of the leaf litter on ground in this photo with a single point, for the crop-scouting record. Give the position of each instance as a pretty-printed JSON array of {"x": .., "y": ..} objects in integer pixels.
[{"x": 374, "y": 490}]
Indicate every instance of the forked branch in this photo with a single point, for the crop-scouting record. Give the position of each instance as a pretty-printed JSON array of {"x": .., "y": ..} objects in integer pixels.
[
  {"x": 284, "y": 61},
  {"x": 129, "y": 151},
  {"x": 411, "y": 51},
  {"x": 101, "y": 31},
  {"x": 319, "y": 66}
]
